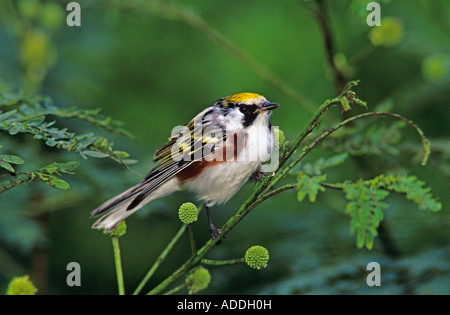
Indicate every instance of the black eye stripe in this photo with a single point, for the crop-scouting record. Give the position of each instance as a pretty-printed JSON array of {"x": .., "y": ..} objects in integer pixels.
[
  {"x": 249, "y": 111},
  {"x": 249, "y": 114}
]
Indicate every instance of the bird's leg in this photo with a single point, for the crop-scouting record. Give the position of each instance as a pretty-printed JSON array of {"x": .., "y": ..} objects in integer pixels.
[
  {"x": 214, "y": 231},
  {"x": 258, "y": 176}
]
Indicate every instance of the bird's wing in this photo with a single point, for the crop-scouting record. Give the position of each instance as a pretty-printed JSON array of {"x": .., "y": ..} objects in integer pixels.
[{"x": 183, "y": 148}]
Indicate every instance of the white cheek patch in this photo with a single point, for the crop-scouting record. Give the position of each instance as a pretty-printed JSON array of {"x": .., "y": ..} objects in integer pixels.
[{"x": 232, "y": 121}]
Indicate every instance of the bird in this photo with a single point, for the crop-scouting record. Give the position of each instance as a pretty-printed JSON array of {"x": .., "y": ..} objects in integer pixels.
[{"x": 213, "y": 156}]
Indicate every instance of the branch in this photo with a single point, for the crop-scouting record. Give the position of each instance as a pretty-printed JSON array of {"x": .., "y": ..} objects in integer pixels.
[
  {"x": 323, "y": 19},
  {"x": 223, "y": 262},
  {"x": 118, "y": 263}
]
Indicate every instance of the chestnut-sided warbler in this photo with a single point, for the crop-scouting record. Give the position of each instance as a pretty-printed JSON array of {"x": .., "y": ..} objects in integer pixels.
[{"x": 213, "y": 156}]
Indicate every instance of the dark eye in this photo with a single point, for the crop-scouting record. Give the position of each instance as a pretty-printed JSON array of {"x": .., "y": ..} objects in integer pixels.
[{"x": 244, "y": 109}]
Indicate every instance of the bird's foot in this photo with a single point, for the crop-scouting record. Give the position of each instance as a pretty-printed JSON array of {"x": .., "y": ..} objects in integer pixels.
[{"x": 215, "y": 232}]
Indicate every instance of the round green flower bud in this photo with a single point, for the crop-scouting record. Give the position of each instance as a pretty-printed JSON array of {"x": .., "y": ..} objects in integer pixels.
[
  {"x": 390, "y": 33},
  {"x": 280, "y": 138},
  {"x": 188, "y": 213},
  {"x": 198, "y": 280},
  {"x": 257, "y": 257},
  {"x": 435, "y": 67},
  {"x": 120, "y": 230},
  {"x": 51, "y": 16},
  {"x": 21, "y": 286},
  {"x": 28, "y": 8}
]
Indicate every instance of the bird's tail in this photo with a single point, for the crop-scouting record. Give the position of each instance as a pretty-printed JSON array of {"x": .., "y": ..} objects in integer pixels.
[{"x": 118, "y": 208}]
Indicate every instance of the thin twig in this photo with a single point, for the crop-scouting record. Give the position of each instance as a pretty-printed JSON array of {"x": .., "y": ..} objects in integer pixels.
[
  {"x": 332, "y": 186},
  {"x": 222, "y": 262},
  {"x": 118, "y": 263},
  {"x": 323, "y": 20},
  {"x": 277, "y": 191},
  {"x": 192, "y": 240},
  {"x": 176, "y": 289}
]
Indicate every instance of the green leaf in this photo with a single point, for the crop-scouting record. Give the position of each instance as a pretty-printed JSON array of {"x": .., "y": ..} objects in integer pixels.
[
  {"x": 411, "y": 187},
  {"x": 43, "y": 177},
  {"x": 368, "y": 139},
  {"x": 365, "y": 207},
  {"x": 55, "y": 167},
  {"x": 49, "y": 169},
  {"x": 15, "y": 129},
  {"x": 130, "y": 161},
  {"x": 360, "y": 238},
  {"x": 318, "y": 166},
  {"x": 95, "y": 154},
  {"x": 310, "y": 186},
  {"x": 335, "y": 160},
  {"x": 69, "y": 167},
  {"x": 366, "y": 203},
  {"x": 57, "y": 182},
  {"x": 31, "y": 115},
  {"x": 121, "y": 154},
  {"x": 369, "y": 240},
  {"x": 345, "y": 103},
  {"x": 11, "y": 159},
  {"x": 8, "y": 114},
  {"x": 7, "y": 166}
]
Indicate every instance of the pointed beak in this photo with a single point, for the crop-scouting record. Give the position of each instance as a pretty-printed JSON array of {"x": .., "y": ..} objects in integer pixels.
[{"x": 268, "y": 106}]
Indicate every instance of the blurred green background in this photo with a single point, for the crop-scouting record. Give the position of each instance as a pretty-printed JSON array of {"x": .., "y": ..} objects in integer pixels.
[{"x": 156, "y": 64}]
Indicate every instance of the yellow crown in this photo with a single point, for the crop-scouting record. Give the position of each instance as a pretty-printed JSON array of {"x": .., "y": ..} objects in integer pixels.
[{"x": 243, "y": 97}]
